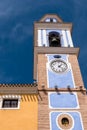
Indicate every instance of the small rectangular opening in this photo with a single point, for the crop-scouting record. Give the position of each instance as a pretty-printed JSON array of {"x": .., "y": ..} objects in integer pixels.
[{"x": 10, "y": 103}]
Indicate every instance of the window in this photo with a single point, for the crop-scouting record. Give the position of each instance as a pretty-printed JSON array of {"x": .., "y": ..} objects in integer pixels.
[
  {"x": 52, "y": 20},
  {"x": 65, "y": 121},
  {"x": 10, "y": 103}
]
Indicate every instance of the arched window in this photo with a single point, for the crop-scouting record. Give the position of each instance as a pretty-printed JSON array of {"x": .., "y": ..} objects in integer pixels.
[
  {"x": 52, "y": 20},
  {"x": 54, "y": 39}
]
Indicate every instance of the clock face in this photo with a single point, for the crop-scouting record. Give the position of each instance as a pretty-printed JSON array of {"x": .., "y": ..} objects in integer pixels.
[{"x": 58, "y": 66}]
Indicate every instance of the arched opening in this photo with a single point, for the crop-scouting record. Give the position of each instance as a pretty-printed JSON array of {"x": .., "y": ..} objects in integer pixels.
[
  {"x": 57, "y": 56},
  {"x": 65, "y": 121},
  {"x": 54, "y": 39}
]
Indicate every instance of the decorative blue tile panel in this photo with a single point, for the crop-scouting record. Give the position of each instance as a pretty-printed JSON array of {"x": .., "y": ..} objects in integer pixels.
[
  {"x": 59, "y": 80},
  {"x": 63, "y": 100},
  {"x": 77, "y": 120}
]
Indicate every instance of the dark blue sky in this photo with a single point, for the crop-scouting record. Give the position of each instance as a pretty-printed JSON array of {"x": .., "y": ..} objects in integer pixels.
[{"x": 16, "y": 34}]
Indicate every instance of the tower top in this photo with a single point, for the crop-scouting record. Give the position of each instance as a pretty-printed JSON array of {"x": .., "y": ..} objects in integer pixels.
[
  {"x": 53, "y": 18},
  {"x": 52, "y": 36},
  {"x": 50, "y": 21}
]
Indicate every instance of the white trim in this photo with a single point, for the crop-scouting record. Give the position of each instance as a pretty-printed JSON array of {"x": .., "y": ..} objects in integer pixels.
[
  {"x": 66, "y": 113},
  {"x": 44, "y": 38},
  {"x": 63, "y": 107},
  {"x": 10, "y": 97},
  {"x": 39, "y": 38},
  {"x": 69, "y": 38},
  {"x": 47, "y": 37},
  {"x": 64, "y": 38}
]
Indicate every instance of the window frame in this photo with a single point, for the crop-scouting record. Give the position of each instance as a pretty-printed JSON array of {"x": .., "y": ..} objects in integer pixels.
[{"x": 9, "y": 97}]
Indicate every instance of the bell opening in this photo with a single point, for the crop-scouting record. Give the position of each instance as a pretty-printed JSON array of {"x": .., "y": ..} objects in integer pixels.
[
  {"x": 51, "y": 20},
  {"x": 54, "y": 39}
]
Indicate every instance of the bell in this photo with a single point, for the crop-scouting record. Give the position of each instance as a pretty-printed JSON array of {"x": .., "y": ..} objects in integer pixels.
[{"x": 54, "y": 39}]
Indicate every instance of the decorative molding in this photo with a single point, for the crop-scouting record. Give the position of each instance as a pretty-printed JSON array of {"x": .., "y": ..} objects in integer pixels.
[
  {"x": 58, "y": 90},
  {"x": 18, "y": 88}
]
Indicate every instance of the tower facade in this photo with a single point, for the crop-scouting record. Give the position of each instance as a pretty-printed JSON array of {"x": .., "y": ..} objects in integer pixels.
[{"x": 62, "y": 99}]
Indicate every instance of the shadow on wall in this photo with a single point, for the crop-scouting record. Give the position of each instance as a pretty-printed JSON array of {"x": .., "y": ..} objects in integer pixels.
[{"x": 31, "y": 98}]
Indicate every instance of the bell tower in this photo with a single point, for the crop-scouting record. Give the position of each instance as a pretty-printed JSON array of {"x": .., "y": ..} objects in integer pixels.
[{"x": 62, "y": 99}]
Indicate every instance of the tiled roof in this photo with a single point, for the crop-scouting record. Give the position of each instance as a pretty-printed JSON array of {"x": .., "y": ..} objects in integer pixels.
[{"x": 18, "y": 88}]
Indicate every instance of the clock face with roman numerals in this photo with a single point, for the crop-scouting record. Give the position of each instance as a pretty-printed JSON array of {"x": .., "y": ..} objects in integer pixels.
[{"x": 58, "y": 66}]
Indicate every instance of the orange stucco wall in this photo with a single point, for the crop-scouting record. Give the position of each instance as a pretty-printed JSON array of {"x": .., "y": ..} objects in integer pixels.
[{"x": 24, "y": 118}]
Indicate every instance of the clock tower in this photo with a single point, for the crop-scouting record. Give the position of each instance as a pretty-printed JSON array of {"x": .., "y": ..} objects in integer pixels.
[{"x": 62, "y": 100}]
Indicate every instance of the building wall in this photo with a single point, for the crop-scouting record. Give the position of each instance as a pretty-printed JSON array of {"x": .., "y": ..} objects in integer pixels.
[
  {"x": 43, "y": 103},
  {"x": 42, "y": 74},
  {"x": 76, "y": 70},
  {"x": 24, "y": 118},
  {"x": 44, "y": 110}
]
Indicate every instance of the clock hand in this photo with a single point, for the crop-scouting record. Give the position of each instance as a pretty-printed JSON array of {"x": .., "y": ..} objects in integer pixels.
[{"x": 59, "y": 65}]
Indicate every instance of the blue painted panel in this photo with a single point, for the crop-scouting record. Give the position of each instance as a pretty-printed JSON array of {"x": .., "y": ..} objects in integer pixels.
[
  {"x": 75, "y": 116},
  {"x": 50, "y": 56},
  {"x": 63, "y": 100},
  {"x": 60, "y": 80}
]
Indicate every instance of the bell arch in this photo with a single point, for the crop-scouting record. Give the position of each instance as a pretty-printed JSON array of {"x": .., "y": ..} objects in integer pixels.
[{"x": 54, "y": 39}]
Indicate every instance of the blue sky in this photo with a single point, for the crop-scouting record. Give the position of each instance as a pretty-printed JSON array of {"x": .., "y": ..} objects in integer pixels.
[{"x": 16, "y": 34}]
